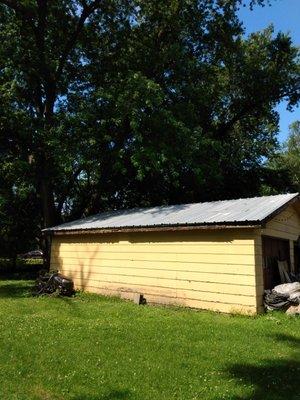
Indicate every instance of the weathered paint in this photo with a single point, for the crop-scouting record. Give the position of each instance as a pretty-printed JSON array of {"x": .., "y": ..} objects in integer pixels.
[{"x": 206, "y": 269}]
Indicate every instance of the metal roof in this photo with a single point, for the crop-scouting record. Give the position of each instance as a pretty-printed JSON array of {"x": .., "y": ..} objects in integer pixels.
[{"x": 228, "y": 212}]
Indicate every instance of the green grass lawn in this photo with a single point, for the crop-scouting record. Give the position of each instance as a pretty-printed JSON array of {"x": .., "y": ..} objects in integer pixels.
[{"x": 96, "y": 348}]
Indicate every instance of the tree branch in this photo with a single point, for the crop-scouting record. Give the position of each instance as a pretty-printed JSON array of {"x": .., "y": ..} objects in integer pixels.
[
  {"x": 225, "y": 128},
  {"x": 40, "y": 33},
  {"x": 86, "y": 12}
]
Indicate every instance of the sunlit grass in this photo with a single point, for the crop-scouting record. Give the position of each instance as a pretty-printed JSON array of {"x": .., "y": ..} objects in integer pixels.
[{"x": 96, "y": 348}]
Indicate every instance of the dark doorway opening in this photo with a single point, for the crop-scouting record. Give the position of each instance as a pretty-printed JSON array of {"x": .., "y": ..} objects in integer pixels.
[{"x": 274, "y": 250}]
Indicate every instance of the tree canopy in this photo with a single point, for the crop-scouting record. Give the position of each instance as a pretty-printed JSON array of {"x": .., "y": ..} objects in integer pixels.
[
  {"x": 117, "y": 103},
  {"x": 290, "y": 157},
  {"x": 286, "y": 161}
]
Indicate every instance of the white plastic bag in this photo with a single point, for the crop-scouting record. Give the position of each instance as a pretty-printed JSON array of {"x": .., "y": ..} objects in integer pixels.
[{"x": 288, "y": 288}]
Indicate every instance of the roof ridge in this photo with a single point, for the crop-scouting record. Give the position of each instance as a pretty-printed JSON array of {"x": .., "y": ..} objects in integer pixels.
[{"x": 194, "y": 203}]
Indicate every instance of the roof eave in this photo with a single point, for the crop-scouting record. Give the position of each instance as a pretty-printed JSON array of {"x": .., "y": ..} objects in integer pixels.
[{"x": 160, "y": 228}]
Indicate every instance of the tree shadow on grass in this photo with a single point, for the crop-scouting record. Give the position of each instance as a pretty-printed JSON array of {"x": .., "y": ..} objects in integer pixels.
[
  {"x": 26, "y": 276},
  {"x": 25, "y": 289},
  {"x": 113, "y": 395},
  {"x": 272, "y": 379},
  {"x": 21, "y": 272},
  {"x": 16, "y": 289}
]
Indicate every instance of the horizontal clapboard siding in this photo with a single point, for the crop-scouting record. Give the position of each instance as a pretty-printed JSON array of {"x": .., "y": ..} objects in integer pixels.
[
  {"x": 205, "y": 269},
  {"x": 168, "y": 279},
  {"x": 196, "y": 258},
  {"x": 169, "y": 267},
  {"x": 285, "y": 225},
  {"x": 169, "y": 297}
]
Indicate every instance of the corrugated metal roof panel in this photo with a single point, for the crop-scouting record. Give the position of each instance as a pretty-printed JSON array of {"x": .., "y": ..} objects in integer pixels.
[{"x": 253, "y": 210}]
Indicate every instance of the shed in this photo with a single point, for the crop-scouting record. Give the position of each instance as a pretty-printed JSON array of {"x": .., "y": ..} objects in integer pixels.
[{"x": 217, "y": 255}]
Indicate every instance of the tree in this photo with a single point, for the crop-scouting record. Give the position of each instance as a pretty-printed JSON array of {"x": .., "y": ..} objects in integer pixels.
[
  {"x": 291, "y": 155},
  {"x": 118, "y": 103},
  {"x": 287, "y": 160},
  {"x": 187, "y": 111},
  {"x": 19, "y": 224},
  {"x": 43, "y": 58}
]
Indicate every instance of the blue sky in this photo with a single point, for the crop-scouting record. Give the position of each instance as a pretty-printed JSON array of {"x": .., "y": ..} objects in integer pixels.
[{"x": 285, "y": 16}]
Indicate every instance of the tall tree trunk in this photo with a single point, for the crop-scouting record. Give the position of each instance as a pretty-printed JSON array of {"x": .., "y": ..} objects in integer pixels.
[
  {"x": 49, "y": 216},
  {"x": 44, "y": 176},
  {"x": 47, "y": 205}
]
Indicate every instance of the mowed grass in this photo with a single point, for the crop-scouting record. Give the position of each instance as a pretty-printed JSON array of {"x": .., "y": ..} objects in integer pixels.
[{"x": 96, "y": 348}]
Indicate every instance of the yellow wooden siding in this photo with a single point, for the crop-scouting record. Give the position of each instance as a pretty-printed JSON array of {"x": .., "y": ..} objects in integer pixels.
[
  {"x": 205, "y": 269},
  {"x": 285, "y": 225},
  {"x": 259, "y": 270}
]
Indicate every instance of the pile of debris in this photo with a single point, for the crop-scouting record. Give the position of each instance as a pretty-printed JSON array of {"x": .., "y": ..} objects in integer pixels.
[
  {"x": 284, "y": 297},
  {"x": 50, "y": 283}
]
